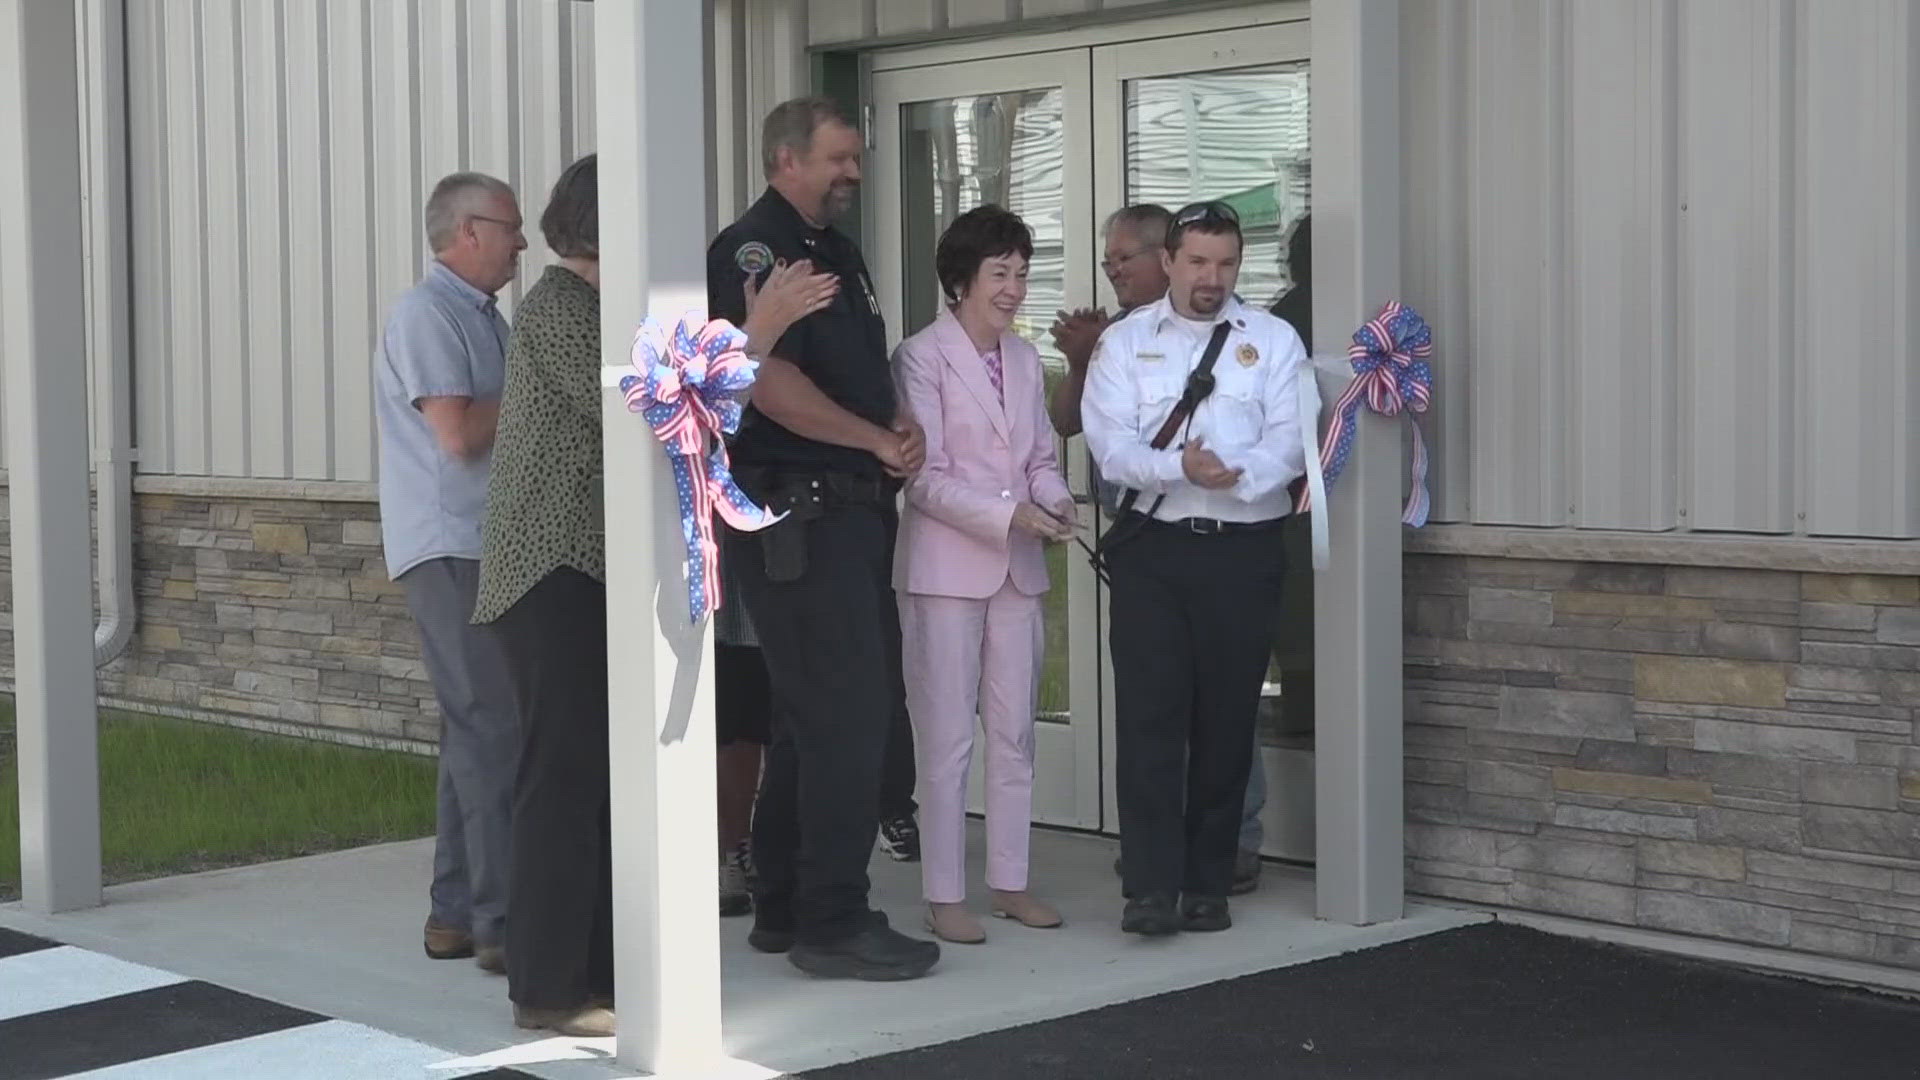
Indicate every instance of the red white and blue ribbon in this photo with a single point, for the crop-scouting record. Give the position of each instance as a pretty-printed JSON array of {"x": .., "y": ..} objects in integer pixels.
[
  {"x": 1392, "y": 375},
  {"x": 690, "y": 386}
]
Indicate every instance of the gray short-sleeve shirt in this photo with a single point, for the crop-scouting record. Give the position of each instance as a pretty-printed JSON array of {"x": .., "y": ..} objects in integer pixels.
[{"x": 443, "y": 338}]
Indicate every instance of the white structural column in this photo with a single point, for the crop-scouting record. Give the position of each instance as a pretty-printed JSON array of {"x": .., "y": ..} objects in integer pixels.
[
  {"x": 650, "y": 62},
  {"x": 1359, "y": 832},
  {"x": 43, "y": 339}
]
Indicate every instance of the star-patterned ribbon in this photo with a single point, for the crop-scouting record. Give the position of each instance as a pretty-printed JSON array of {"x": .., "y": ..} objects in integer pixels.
[
  {"x": 1391, "y": 374},
  {"x": 690, "y": 387}
]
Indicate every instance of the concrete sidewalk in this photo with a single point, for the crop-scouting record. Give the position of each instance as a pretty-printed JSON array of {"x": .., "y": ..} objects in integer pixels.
[{"x": 339, "y": 935}]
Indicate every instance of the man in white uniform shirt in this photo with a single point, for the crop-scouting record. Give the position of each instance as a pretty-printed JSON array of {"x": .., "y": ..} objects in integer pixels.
[{"x": 1195, "y": 566}]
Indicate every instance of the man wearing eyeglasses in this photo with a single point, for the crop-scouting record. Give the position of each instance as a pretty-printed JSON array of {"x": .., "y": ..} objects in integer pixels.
[
  {"x": 1195, "y": 563},
  {"x": 1135, "y": 235},
  {"x": 440, "y": 368}
]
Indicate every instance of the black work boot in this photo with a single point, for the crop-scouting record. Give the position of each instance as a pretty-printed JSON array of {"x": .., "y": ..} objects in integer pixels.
[
  {"x": 1206, "y": 914},
  {"x": 1151, "y": 916}
]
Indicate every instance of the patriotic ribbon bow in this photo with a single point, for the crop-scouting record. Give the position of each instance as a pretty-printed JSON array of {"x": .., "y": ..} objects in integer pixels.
[
  {"x": 1392, "y": 375},
  {"x": 689, "y": 386}
]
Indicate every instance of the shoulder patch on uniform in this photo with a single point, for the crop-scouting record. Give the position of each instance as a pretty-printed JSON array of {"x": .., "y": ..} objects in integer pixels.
[{"x": 753, "y": 257}]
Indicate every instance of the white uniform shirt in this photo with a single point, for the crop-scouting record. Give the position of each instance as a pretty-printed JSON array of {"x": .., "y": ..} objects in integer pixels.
[{"x": 1251, "y": 420}]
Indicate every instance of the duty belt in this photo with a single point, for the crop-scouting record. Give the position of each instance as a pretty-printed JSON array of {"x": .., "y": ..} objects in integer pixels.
[{"x": 823, "y": 488}]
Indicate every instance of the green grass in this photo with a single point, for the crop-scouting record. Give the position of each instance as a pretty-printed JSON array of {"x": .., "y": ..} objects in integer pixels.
[{"x": 178, "y": 796}]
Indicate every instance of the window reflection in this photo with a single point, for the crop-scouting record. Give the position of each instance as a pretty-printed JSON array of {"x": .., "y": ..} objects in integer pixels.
[
  {"x": 1007, "y": 149},
  {"x": 1238, "y": 136}
]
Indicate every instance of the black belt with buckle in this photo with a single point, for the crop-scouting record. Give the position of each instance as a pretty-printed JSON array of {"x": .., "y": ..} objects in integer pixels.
[
  {"x": 1215, "y": 527},
  {"x": 824, "y": 488}
]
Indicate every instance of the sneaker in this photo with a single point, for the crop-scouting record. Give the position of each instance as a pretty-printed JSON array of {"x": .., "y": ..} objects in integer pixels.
[
  {"x": 875, "y": 954},
  {"x": 735, "y": 895},
  {"x": 900, "y": 839}
]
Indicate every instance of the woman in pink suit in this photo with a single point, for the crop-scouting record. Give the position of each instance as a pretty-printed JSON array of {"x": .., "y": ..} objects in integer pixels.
[{"x": 970, "y": 566}]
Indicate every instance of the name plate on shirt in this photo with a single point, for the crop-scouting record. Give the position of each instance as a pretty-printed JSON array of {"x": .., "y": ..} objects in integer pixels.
[{"x": 1149, "y": 357}]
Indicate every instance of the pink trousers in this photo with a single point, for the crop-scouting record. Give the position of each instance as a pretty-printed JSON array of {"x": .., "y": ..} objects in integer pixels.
[{"x": 963, "y": 657}]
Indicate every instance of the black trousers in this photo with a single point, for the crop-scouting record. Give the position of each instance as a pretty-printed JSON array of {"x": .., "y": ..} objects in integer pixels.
[
  {"x": 831, "y": 641},
  {"x": 560, "y": 915},
  {"x": 743, "y": 709},
  {"x": 1192, "y": 623}
]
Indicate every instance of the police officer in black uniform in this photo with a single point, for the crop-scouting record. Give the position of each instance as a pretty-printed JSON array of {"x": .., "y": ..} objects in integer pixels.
[{"x": 825, "y": 442}]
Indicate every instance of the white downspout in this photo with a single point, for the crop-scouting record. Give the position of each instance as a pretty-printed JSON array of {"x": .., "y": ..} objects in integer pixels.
[{"x": 102, "y": 34}]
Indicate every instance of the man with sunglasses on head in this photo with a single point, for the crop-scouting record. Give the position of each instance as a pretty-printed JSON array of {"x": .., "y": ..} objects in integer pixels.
[
  {"x": 1191, "y": 408},
  {"x": 1135, "y": 237}
]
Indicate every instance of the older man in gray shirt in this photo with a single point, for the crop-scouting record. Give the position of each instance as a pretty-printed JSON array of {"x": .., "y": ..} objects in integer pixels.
[{"x": 438, "y": 374}]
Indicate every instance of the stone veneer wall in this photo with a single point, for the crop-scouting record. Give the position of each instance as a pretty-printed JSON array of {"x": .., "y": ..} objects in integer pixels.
[
  {"x": 274, "y": 613},
  {"x": 1721, "y": 752}
]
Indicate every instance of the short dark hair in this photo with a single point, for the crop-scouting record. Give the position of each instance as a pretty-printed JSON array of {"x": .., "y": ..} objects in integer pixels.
[
  {"x": 1210, "y": 217},
  {"x": 572, "y": 218},
  {"x": 791, "y": 125},
  {"x": 982, "y": 233}
]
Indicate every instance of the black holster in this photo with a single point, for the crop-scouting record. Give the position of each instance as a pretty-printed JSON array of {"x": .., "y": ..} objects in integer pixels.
[{"x": 783, "y": 546}]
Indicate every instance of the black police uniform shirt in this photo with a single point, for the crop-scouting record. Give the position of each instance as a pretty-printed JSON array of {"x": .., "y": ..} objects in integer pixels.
[{"x": 842, "y": 348}]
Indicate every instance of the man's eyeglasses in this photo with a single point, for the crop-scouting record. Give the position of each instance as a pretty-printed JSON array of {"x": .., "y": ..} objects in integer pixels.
[
  {"x": 1112, "y": 266},
  {"x": 1196, "y": 213},
  {"x": 511, "y": 226}
]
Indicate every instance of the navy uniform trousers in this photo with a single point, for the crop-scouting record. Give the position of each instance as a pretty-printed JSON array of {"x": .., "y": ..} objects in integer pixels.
[{"x": 1192, "y": 625}]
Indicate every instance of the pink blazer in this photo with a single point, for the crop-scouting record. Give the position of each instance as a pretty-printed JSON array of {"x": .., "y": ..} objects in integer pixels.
[{"x": 982, "y": 459}]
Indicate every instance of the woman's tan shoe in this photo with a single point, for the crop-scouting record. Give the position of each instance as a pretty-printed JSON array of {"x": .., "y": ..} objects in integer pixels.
[
  {"x": 953, "y": 922},
  {"x": 1022, "y": 908},
  {"x": 586, "y": 1022}
]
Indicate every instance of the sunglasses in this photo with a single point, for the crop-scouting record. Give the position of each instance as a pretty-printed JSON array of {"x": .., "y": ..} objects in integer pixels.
[{"x": 1196, "y": 213}]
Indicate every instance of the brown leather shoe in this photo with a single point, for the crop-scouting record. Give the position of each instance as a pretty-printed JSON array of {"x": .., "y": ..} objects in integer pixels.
[
  {"x": 491, "y": 959},
  {"x": 585, "y": 1022},
  {"x": 444, "y": 942}
]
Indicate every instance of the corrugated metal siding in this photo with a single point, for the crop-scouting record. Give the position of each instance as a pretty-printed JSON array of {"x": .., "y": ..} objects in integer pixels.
[
  {"x": 1515, "y": 246},
  {"x": 852, "y": 22},
  {"x": 1859, "y": 281},
  {"x": 1669, "y": 251},
  {"x": 280, "y": 151}
]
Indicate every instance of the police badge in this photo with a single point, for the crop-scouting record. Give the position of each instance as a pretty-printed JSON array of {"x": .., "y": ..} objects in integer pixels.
[
  {"x": 753, "y": 257},
  {"x": 1247, "y": 355}
]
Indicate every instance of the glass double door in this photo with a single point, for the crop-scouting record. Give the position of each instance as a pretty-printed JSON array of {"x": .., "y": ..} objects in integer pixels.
[{"x": 1063, "y": 138}]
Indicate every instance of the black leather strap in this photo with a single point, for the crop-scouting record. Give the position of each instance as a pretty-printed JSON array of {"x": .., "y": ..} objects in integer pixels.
[{"x": 1127, "y": 522}]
